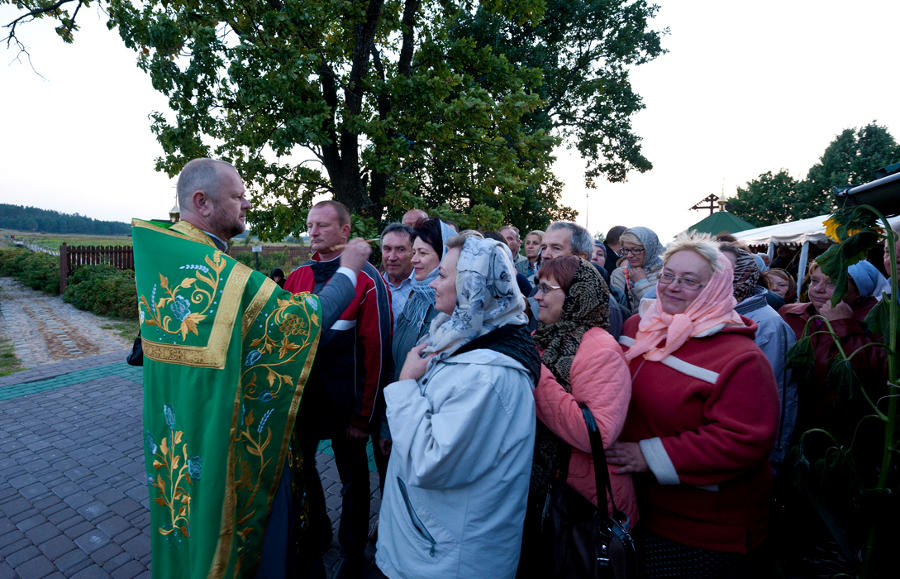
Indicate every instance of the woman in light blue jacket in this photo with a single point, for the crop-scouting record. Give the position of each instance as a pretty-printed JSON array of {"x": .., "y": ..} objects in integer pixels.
[{"x": 462, "y": 419}]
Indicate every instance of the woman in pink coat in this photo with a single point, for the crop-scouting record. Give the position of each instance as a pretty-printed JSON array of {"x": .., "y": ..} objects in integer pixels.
[{"x": 581, "y": 362}]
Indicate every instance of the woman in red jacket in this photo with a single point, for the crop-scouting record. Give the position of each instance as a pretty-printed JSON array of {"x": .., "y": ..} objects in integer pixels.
[
  {"x": 702, "y": 420},
  {"x": 816, "y": 389}
]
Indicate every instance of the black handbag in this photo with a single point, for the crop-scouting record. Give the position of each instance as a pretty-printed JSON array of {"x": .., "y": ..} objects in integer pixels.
[
  {"x": 582, "y": 539},
  {"x": 136, "y": 357}
]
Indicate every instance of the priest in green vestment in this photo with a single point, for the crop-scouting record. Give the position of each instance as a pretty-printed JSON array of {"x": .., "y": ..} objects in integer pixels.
[{"x": 226, "y": 356}]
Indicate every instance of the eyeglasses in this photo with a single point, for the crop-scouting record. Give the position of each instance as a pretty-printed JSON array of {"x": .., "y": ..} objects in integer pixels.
[
  {"x": 545, "y": 288},
  {"x": 630, "y": 251},
  {"x": 667, "y": 278}
]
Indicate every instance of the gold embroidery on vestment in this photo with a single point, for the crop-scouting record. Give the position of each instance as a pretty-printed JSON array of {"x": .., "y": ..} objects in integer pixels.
[
  {"x": 257, "y": 303},
  {"x": 214, "y": 353}
]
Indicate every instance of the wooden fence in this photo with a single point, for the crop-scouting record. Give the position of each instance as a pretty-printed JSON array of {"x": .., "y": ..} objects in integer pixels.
[
  {"x": 294, "y": 254},
  {"x": 121, "y": 257},
  {"x": 71, "y": 258}
]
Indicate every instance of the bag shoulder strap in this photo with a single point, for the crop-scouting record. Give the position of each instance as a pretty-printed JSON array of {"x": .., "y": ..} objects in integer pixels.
[{"x": 601, "y": 470}]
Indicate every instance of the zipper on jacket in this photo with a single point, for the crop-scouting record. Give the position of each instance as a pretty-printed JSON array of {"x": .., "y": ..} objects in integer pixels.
[{"x": 416, "y": 521}]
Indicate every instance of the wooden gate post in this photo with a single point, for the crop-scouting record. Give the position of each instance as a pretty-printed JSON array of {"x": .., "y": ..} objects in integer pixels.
[{"x": 63, "y": 267}]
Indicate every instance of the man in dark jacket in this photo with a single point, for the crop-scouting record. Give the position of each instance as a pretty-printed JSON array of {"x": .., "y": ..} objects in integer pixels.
[
  {"x": 612, "y": 245},
  {"x": 352, "y": 365}
]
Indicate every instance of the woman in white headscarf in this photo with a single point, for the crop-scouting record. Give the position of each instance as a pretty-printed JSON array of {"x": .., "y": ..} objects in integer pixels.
[{"x": 462, "y": 418}]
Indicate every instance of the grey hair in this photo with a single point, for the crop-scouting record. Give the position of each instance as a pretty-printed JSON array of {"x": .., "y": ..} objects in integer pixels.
[
  {"x": 702, "y": 244},
  {"x": 537, "y": 232},
  {"x": 397, "y": 227},
  {"x": 199, "y": 175},
  {"x": 580, "y": 240},
  {"x": 512, "y": 228}
]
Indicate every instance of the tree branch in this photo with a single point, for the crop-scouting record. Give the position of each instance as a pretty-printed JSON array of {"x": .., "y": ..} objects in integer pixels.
[
  {"x": 31, "y": 15},
  {"x": 408, "y": 26}
]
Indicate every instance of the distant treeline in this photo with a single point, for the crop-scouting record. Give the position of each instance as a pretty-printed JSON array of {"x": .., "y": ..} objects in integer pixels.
[{"x": 46, "y": 221}]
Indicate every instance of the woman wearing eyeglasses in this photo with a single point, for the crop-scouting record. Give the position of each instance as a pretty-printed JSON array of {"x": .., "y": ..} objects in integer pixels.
[
  {"x": 702, "y": 420},
  {"x": 639, "y": 271},
  {"x": 581, "y": 362}
]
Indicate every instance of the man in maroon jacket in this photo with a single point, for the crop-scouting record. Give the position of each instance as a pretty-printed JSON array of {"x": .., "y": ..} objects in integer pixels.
[{"x": 351, "y": 366}]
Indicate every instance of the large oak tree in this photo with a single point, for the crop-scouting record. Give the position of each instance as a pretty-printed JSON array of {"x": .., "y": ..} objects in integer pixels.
[{"x": 450, "y": 105}]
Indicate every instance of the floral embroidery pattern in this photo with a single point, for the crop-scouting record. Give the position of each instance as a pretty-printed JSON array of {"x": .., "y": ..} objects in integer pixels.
[
  {"x": 172, "y": 312},
  {"x": 287, "y": 333},
  {"x": 175, "y": 474},
  {"x": 291, "y": 327}
]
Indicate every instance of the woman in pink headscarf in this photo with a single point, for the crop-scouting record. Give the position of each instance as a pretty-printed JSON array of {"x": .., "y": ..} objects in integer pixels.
[{"x": 702, "y": 420}]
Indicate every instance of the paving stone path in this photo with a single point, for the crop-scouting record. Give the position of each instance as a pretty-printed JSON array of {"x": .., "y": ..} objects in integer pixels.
[
  {"x": 44, "y": 329},
  {"x": 73, "y": 499}
]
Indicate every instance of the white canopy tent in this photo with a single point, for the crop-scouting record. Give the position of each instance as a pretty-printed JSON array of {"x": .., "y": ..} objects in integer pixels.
[
  {"x": 810, "y": 230},
  {"x": 802, "y": 233}
]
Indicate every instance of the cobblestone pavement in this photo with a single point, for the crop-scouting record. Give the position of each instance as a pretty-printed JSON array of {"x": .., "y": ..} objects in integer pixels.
[
  {"x": 44, "y": 329},
  {"x": 73, "y": 502}
]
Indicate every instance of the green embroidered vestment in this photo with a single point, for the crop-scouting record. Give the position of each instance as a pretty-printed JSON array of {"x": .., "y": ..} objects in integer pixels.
[{"x": 226, "y": 355}]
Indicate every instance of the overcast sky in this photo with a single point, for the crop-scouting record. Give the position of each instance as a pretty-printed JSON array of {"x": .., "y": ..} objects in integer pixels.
[{"x": 745, "y": 88}]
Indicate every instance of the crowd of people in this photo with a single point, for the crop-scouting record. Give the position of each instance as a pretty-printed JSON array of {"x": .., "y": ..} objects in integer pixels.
[{"x": 467, "y": 364}]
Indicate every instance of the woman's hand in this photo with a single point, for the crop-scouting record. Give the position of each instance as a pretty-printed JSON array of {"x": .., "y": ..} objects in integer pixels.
[
  {"x": 636, "y": 273},
  {"x": 626, "y": 457},
  {"x": 415, "y": 365},
  {"x": 842, "y": 311}
]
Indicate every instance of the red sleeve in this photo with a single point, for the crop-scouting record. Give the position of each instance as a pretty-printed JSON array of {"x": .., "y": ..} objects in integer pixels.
[
  {"x": 300, "y": 280},
  {"x": 599, "y": 378},
  {"x": 369, "y": 329},
  {"x": 869, "y": 363},
  {"x": 741, "y": 417}
]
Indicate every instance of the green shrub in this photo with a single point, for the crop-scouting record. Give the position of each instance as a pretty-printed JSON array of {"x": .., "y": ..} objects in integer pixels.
[
  {"x": 39, "y": 271},
  {"x": 103, "y": 290},
  {"x": 268, "y": 262}
]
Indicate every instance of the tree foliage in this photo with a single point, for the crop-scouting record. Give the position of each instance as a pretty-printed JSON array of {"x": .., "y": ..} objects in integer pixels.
[
  {"x": 389, "y": 104},
  {"x": 46, "y": 221},
  {"x": 852, "y": 158},
  {"x": 768, "y": 199}
]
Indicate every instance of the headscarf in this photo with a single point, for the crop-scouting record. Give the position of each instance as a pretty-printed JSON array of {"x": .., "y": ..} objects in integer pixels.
[
  {"x": 653, "y": 249},
  {"x": 586, "y": 306},
  {"x": 760, "y": 262},
  {"x": 712, "y": 308},
  {"x": 422, "y": 295},
  {"x": 867, "y": 278},
  {"x": 487, "y": 298},
  {"x": 746, "y": 275}
]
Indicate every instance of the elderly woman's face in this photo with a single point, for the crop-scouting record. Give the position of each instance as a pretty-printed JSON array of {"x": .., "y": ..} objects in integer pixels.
[
  {"x": 634, "y": 253},
  {"x": 532, "y": 245},
  {"x": 550, "y": 298},
  {"x": 820, "y": 289},
  {"x": 445, "y": 283},
  {"x": 682, "y": 279},
  {"x": 599, "y": 255}
]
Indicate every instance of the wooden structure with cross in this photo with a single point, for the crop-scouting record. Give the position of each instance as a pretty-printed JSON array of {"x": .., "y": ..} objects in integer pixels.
[{"x": 713, "y": 205}]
